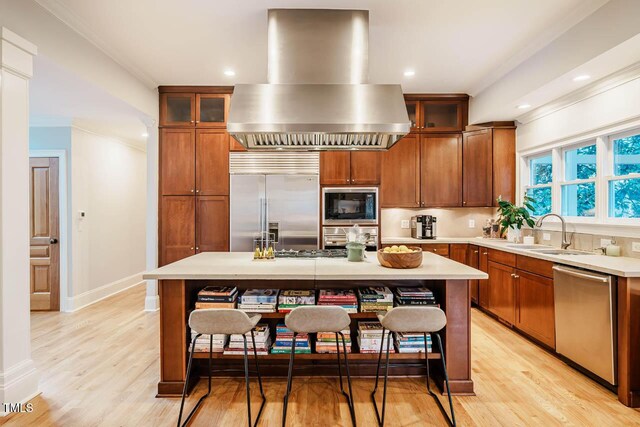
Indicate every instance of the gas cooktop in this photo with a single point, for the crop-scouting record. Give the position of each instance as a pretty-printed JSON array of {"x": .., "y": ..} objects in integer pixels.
[{"x": 312, "y": 253}]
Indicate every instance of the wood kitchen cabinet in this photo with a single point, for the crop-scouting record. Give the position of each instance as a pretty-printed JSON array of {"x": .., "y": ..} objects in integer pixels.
[
  {"x": 441, "y": 170},
  {"x": 423, "y": 171},
  {"x": 177, "y": 109},
  {"x": 212, "y": 224},
  {"x": 177, "y": 228},
  {"x": 535, "y": 307},
  {"x": 483, "y": 284},
  {"x": 212, "y": 110},
  {"x": 350, "y": 167},
  {"x": 194, "y": 162},
  {"x": 473, "y": 258},
  {"x": 212, "y": 163},
  {"x": 400, "y": 177},
  {"x": 502, "y": 292},
  {"x": 488, "y": 165},
  {"x": 458, "y": 252},
  {"x": 177, "y": 162},
  {"x": 437, "y": 113},
  {"x": 441, "y": 249}
]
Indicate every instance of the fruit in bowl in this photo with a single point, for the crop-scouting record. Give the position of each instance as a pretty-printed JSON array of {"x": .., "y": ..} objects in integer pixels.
[{"x": 400, "y": 256}]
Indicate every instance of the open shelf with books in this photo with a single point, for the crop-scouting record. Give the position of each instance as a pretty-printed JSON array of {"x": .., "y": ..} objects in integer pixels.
[{"x": 320, "y": 356}]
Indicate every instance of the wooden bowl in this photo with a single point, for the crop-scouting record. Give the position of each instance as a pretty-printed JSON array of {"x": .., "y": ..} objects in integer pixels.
[{"x": 401, "y": 260}]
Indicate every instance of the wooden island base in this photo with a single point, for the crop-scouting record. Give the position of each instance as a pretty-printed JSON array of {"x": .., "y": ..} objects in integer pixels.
[{"x": 178, "y": 297}]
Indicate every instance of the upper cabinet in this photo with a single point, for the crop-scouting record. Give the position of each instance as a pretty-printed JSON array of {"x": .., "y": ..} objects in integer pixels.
[
  {"x": 489, "y": 165},
  {"x": 423, "y": 171},
  {"x": 350, "y": 167},
  {"x": 187, "y": 107},
  {"x": 177, "y": 109},
  {"x": 437, "y": 113},
  {"x": 212, "y": 110}
]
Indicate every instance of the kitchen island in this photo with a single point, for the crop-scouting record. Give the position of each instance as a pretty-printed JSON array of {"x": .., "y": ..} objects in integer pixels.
[{"x": 180, "y": 282}]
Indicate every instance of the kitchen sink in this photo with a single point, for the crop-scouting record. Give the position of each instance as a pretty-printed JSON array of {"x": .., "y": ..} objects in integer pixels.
[
  {"x": 522, "y": 246},
  {"x": 560, "y": 252}
]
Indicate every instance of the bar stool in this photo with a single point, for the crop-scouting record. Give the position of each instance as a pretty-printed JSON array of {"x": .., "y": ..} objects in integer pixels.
[
  {"x": 314, "y": 319},
  {"x": 223, "y": 321},
  {"x": 428, "y": 320}
]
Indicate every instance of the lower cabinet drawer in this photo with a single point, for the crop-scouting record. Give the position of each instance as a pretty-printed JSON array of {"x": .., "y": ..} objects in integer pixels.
[
  {"x": 437, "y": 248},
  {"x": 502, "y": 257}
]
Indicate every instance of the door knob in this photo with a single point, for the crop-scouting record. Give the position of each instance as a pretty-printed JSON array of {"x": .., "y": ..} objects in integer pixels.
[{"x": 53, "y": 241}]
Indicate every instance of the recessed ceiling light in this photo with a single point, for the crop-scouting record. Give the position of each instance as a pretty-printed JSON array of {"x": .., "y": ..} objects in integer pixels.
[
  {"x": 229, "y": 73},
  {"x": 523, "y": 106},
  {"x": 145, "y": 135},
  {"x": 581, "y": 78},
  {"x": 409, "y": 73}
]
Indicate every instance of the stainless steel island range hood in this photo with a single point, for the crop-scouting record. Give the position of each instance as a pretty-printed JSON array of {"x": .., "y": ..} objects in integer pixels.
[{"x": 317, "y": 96}]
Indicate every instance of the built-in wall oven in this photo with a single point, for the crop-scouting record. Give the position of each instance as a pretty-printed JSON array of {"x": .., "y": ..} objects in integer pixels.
[{"x": 349, "y": 205}]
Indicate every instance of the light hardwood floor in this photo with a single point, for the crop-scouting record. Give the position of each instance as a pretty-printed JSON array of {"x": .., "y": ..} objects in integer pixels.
[{"x": 100, "y": 367}]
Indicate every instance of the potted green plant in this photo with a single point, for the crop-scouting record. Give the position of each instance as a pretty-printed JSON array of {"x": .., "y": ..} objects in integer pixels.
[{"x": 512, "y": 217}]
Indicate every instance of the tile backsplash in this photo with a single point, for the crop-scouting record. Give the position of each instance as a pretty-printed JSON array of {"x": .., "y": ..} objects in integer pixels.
[{"x": 453, "y": 222}]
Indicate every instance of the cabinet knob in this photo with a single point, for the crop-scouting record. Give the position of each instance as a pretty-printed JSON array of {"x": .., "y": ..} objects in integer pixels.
[
  {"x": 191, "y": 248},
  {"x": 191, "y": 122},
  {"x": 192, "y": 190},
  {"x": 197, "y": 121},
  {"x": 515, "y": 276},
  {"x": 435, "y": 250},
  {"x": 485, "y": 253},
  {"x": 475, "y": 252},
  {"x": 197, "y": 191},
  {"x": 464, "y": 203},
  {"x": 197, "y": 248},
  {"x": 353, "y": 181}
]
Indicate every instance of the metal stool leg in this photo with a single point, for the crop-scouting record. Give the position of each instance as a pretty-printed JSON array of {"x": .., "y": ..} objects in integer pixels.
[
  {"x": 451, "y": 420},
  {"x": 289, "y": 378},
  {"x": 386, "y": 376},
  {"x": 255, "y": 355},
  {"x": 186, "y": 383},
  {"x": 350, "y": 396}
]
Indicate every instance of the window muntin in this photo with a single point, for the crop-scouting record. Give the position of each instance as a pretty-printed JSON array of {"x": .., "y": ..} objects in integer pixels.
[
  {"x": 578, "y": 190},
  {"x": 580, "y": 163},
  {"x": 624, "y": 184},
  {"x": 626, "y": 155},
  {"x": 541, "y": 169},
  {"x": 540, "y": 183}
]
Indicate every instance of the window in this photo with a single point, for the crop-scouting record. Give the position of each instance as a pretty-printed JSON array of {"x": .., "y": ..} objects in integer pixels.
[
  {"x": 624, "y": 185},
  {"x": 579, "y": 186},
  {"x": 540, "y": 183},
  {"x": 594, "y": 181}
]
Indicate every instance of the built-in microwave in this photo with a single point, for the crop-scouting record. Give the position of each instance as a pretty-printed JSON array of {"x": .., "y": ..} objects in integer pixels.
[{"x": 349, "y": 205}]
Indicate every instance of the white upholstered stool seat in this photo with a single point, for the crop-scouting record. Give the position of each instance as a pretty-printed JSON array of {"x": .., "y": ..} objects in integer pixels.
[
  {"x": 222, "y": 321},
  {"x": 317, "y": 318},
  {"x": 413, "y": 319}
]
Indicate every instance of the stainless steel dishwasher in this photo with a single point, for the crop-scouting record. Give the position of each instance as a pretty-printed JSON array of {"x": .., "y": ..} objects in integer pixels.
[{"x": 585, "y": 312}]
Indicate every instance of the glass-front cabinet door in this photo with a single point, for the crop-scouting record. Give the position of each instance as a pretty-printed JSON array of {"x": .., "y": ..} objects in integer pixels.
[
  {"x": 441, "y": 116},
  {"x": 211, "y": 110},
  {"x": 177, "y": 109}
]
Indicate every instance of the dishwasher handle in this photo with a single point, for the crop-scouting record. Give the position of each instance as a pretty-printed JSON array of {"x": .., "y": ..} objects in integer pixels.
[{"x": 580, "y": 274}]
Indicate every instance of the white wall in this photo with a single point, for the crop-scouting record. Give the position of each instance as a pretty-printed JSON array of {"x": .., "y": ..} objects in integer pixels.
[
  {"x": 109, "y": 185},
  {"x": 611, "y": 110},
  {"x": 107, "y": 180}
]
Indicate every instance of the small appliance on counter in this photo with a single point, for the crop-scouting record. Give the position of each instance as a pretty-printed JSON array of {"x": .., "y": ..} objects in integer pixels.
[{"x": 423, "y": 227}]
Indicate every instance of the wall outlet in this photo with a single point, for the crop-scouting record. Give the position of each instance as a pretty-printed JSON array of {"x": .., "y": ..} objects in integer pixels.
[
  {"x": 472, "y": 223},
  {"x": 404, "y": 223},
  {"x": 635, "y": 246},
  {"x": 605, "y": 242},
  {"x": 546, "y": 236}
]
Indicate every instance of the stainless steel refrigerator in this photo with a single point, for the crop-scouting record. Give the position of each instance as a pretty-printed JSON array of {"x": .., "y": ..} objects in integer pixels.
[{"x": 286, "y": 205}]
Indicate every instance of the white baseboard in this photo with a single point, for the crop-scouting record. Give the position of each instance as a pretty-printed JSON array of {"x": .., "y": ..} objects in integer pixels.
[
  {"x": 91, "y": 297},
  {"x": 19, "y": 384}
]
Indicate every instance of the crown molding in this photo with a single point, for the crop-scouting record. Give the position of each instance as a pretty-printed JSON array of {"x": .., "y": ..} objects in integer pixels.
[
  {"x": 71, "y": 20},
  {"x": 625, "y": 75}
]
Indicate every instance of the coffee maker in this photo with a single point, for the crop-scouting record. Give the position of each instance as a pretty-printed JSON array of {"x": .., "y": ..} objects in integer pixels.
[{"x": 423, "y": 227}]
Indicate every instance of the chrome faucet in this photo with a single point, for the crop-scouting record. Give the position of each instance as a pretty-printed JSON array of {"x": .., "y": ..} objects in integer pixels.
[{"x": 565, "y": 242}]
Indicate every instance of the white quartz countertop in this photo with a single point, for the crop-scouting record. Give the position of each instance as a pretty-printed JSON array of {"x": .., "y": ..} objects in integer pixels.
[
  {"x": 618, "y": 266},
  {"x": 240, "y": 265}
]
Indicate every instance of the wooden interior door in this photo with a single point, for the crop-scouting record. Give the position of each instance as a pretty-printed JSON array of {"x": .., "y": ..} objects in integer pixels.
[
  {"x": 178, "y": 228},
  {"x": 212, "y": 224},
  {"x": 335, "y": 167},
  {"x": 365, "y": 167},
  {"x": 44, "y": 228},
  {"x": 177, "y": 162},
  {"x": 212, "y": 163},
  {"x": 400, "y": 176},
  {"x": 477, "y": 169},
  {"x": 441, "y": 170}
]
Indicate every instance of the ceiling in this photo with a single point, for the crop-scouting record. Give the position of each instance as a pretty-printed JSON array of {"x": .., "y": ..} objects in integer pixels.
[
  {"x": 453, "y": 46},
  {"x": 57, "y": 97}
]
